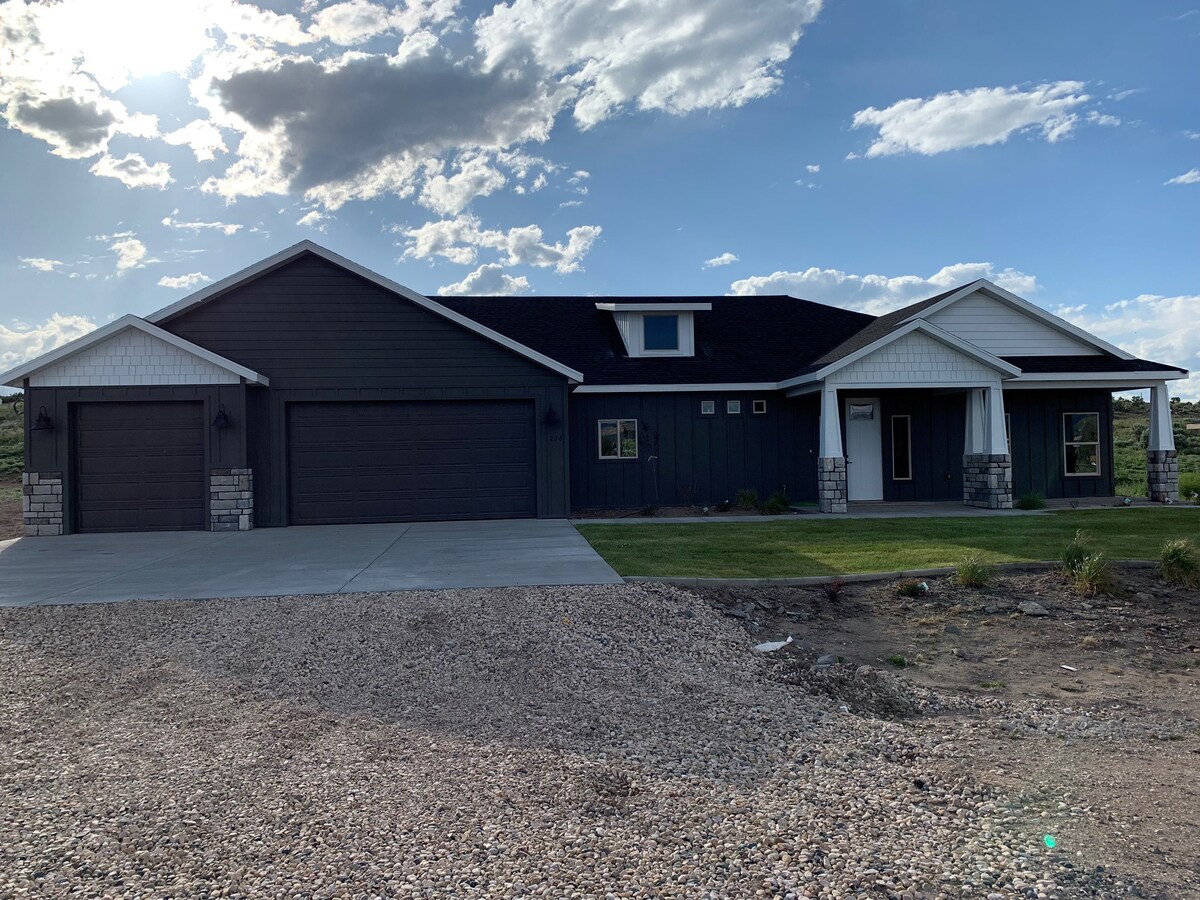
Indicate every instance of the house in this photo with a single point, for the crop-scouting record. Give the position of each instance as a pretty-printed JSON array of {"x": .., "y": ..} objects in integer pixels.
[{"x": 307, "y": 389}]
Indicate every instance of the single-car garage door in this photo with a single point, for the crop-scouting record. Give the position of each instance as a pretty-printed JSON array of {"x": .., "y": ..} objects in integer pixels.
[
  {"x": 139, "y": 466},
  {"x": 389, "y": 462}
]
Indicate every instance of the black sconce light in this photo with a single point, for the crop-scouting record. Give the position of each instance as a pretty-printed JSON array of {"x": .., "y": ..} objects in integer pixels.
[
  {"x": 44, "y": 422},
  {"x": 551, "y": 418},
  {"x": 222, "y": 418}
]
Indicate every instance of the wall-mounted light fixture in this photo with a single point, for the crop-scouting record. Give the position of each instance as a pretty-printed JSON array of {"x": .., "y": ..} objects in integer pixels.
[
  {"x": 222, "y": 418},
  {"x": 551, "y": 418},
  {"x": 43, "y": 422}
]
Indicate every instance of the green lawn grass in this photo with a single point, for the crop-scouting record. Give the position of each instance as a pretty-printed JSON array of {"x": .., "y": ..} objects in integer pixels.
[{"x": 833, "y": 547}]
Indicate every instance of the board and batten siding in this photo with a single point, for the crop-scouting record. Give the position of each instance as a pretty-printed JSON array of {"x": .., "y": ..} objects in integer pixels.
[
  {"x": 1003, "y": 331},
  {"x": 937, "y": 423},
  {"x": 320, "y": 333},
  {"x": 132, "y": 357},
  {"x": 1037, "y": 442},
  {"x": 914, "y": 358},
  {"x": 685, "y": 457}
]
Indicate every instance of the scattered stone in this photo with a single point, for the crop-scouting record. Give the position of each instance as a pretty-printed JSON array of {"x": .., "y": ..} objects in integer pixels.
[
  {"x": 1032, "y": 608},
  {"x": 825, "y": 661}
]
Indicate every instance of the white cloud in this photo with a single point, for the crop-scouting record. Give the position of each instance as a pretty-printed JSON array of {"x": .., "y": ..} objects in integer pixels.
[
  {"x": 490, "y": 280},
  {"x": 1192, "y": 176},
  {"x": 460, "y": 239},
  {"x": 878, "y": 294},
  {"x": 24, "y": 341},
  {"x": 41, "y": 264},
  {"x": 1151, "y": 326},
  {"x": 1099, "y": 118},
  {"x": 314, "y": 218},
  {"x": 671, "y": 55},
  {"x": 974, "y": 118},
  {"x": 812, "y": 169},
  {"x": 177, "y": 282},
  {"x": 202, "y": 136},
  {"x": 227, "y": 228},
  {"x": 130, "y": 254},
  {"x": 133, "y": 171},
  {"x": 357, "y": 21},
  {"x": 723, "y": 260},
  {"x": 451, "y": 195}
]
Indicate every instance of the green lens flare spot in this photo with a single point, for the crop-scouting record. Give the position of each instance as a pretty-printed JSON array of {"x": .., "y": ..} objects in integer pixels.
[{"x": 1050, "y": 841}]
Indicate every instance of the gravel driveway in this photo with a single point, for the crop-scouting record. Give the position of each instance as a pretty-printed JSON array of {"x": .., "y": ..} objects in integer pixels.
[{"x": 617, "y": 741}]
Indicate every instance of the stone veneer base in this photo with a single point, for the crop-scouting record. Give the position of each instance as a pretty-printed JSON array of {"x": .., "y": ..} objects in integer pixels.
[
  {"x": 231, "y": 499},
  {"x": 987, "y": 480},
  {"x": 831, "y": 484},
  {"x": 42, "y": 503},
  {"x": 1162, "y": 475}
]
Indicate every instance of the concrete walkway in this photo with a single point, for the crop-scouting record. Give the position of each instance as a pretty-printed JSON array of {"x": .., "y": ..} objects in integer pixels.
[{"x": 325, "y": 559}]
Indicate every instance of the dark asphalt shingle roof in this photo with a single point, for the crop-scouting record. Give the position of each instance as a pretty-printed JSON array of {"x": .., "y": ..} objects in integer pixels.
[
  {"x": 880, "y": 327},
  {"x": 742, "y": 339}
]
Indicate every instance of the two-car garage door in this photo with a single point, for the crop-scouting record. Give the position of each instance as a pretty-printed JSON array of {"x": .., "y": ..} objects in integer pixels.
[{"x": 401, "y": 461}]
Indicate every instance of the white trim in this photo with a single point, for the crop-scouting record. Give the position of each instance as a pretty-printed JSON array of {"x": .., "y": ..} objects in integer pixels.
[
  {"x": 600, "y": 440},
  {"x": 892, "y": 435},
  {"x": 1109, "y": 381},
  {"x": 16, "y": 377},
  {"x": 1096, "y": 443},
  {"x": 375, "y": 278},
  {"x": 755, "y": 411},
  {"x": 1021, "y": 305},
  {"x": 1160, "y": 375},
  {"x": 711, "y": 412},
  {"x": 675, "y": 388},
  {"x": 654, "y": 307},
  {"x": 729, "y": 407},
  {"x": 926, "y": 328}
]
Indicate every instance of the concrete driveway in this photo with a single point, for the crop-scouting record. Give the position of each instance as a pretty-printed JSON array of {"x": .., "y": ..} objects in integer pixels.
[{"x": 325, "y": 559}]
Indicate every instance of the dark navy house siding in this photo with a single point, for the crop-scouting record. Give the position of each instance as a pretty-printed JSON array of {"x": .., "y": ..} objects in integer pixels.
[
  {"x": 1037, "y": 442},
  {"x": 320, "y": 333}
]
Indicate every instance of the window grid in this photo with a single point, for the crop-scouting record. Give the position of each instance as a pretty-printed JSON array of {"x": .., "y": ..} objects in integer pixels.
[{"x": 1081, "y": 446}]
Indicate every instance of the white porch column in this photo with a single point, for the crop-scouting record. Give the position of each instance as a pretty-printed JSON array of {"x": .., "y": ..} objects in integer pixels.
[
  {"x": 987, "y": 466},
  {"x": 1162, "y": 463},
  {"x": 831, "y": 466}
]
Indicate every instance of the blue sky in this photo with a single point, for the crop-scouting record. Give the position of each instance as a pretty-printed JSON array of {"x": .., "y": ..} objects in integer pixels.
[{"x": 858, "y": 153}]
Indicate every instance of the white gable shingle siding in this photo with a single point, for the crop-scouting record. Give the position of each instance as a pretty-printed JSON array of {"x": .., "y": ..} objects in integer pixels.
[
  {"x": 129, "y": 358},
  {"x": 1003, "y": 331},
  {"x": 915, "y": 359}
]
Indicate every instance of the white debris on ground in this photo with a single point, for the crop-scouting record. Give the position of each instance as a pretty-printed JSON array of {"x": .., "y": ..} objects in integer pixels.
[{"x": 608, "y": 742}]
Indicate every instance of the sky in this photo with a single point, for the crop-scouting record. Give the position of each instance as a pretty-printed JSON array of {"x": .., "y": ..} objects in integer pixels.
[{"x": 851, "y": 152}]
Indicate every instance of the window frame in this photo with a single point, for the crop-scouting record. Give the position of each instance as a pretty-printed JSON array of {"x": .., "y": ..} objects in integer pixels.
[
  {"x": 1069, "y": 443},
  {"x": 908, "y": 432},
  {"x": 712, "y": 411},
  {"x": 730, "y": 410},
  {"x": 600, "y": 440},
  {"x": 758, "y": 407},
  {"x": 678, "y": 348}
]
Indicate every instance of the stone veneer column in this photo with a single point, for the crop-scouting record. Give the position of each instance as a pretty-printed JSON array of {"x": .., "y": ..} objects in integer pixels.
[
  {"x": 1162, "y": 475},
  {"x": 42, "y": 503},
  {"x": 987, "y": 480},
  {"x": 831, "y": 484},
  {"x": 231, "y": 499}
]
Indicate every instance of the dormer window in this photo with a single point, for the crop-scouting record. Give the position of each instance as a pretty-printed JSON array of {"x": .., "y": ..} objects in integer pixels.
[
  {"x": 666, "y": 328},
  {"x": 660, "y": 332}
]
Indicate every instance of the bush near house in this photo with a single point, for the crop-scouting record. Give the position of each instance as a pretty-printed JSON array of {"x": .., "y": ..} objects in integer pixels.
[{"x": 1131, "y": 424}]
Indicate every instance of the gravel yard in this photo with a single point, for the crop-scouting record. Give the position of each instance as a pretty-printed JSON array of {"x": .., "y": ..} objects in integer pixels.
[{"x": 551, "y": 742}]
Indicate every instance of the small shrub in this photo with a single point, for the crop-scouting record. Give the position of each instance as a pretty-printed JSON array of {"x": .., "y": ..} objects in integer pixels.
[
  {"x": 973, "y": 572},
  {"x": 1179, "y": 564},
  {"x": 1030, "y": 500},
  {"x": 898, "y": 661},
  {"x": 748, "y": 499},
  {"x": 909, "y": 587},
  {"x": 777, "y": 504},
  {"x": 1093, "y": 576},
  {"x": 833, "y": 590},
  {"x": 1189, "y": 487},
  {"x": 724, "y": 506},
  {"x": 1076, "y": 552}
]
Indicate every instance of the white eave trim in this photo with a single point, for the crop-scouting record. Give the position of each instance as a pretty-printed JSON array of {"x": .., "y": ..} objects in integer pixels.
[
  {"x": 928, "y": 328},
  {"x": 1113, "y": 380},
  {"x": 16, "y": 377},
  {"x": 654, "y": 307},
  {"x": 1021, "y": 305},
  {"x": 387, "y": 284},
  {"x": 675, "y": 388}
]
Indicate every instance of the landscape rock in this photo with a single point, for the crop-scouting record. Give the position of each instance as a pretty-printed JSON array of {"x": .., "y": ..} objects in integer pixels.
[{"x": 1032, "y": 608}]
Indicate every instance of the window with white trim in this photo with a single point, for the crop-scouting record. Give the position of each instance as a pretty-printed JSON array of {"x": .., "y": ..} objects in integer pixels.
[
  {"x": 708, "y": 407},
  {"x": 1081, "y": 443},
  {"x": 902, "y": 448},
  {"x": 1008, "y": 431},
  {"x": 660, "y": 332},
  {"x": 733, "y": 407},
  {"x": 758, "y": 407},
  {"x": 618, "y": 438}
]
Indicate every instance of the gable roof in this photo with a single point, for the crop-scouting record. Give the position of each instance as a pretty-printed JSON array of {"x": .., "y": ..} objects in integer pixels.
[
  {"x": 218, "y": 288},
  {"x": 742, "y": 340},
  {"x": 16, "y": 377}
]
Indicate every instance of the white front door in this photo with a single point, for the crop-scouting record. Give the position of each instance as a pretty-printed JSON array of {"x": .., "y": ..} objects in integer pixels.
[{"x": 864, "y": 449}]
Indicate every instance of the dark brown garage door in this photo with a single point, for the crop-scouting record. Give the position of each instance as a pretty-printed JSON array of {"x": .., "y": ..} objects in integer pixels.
[
  {"x": 394, "y": 462},
  {"x": 139, "y": 467}
]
